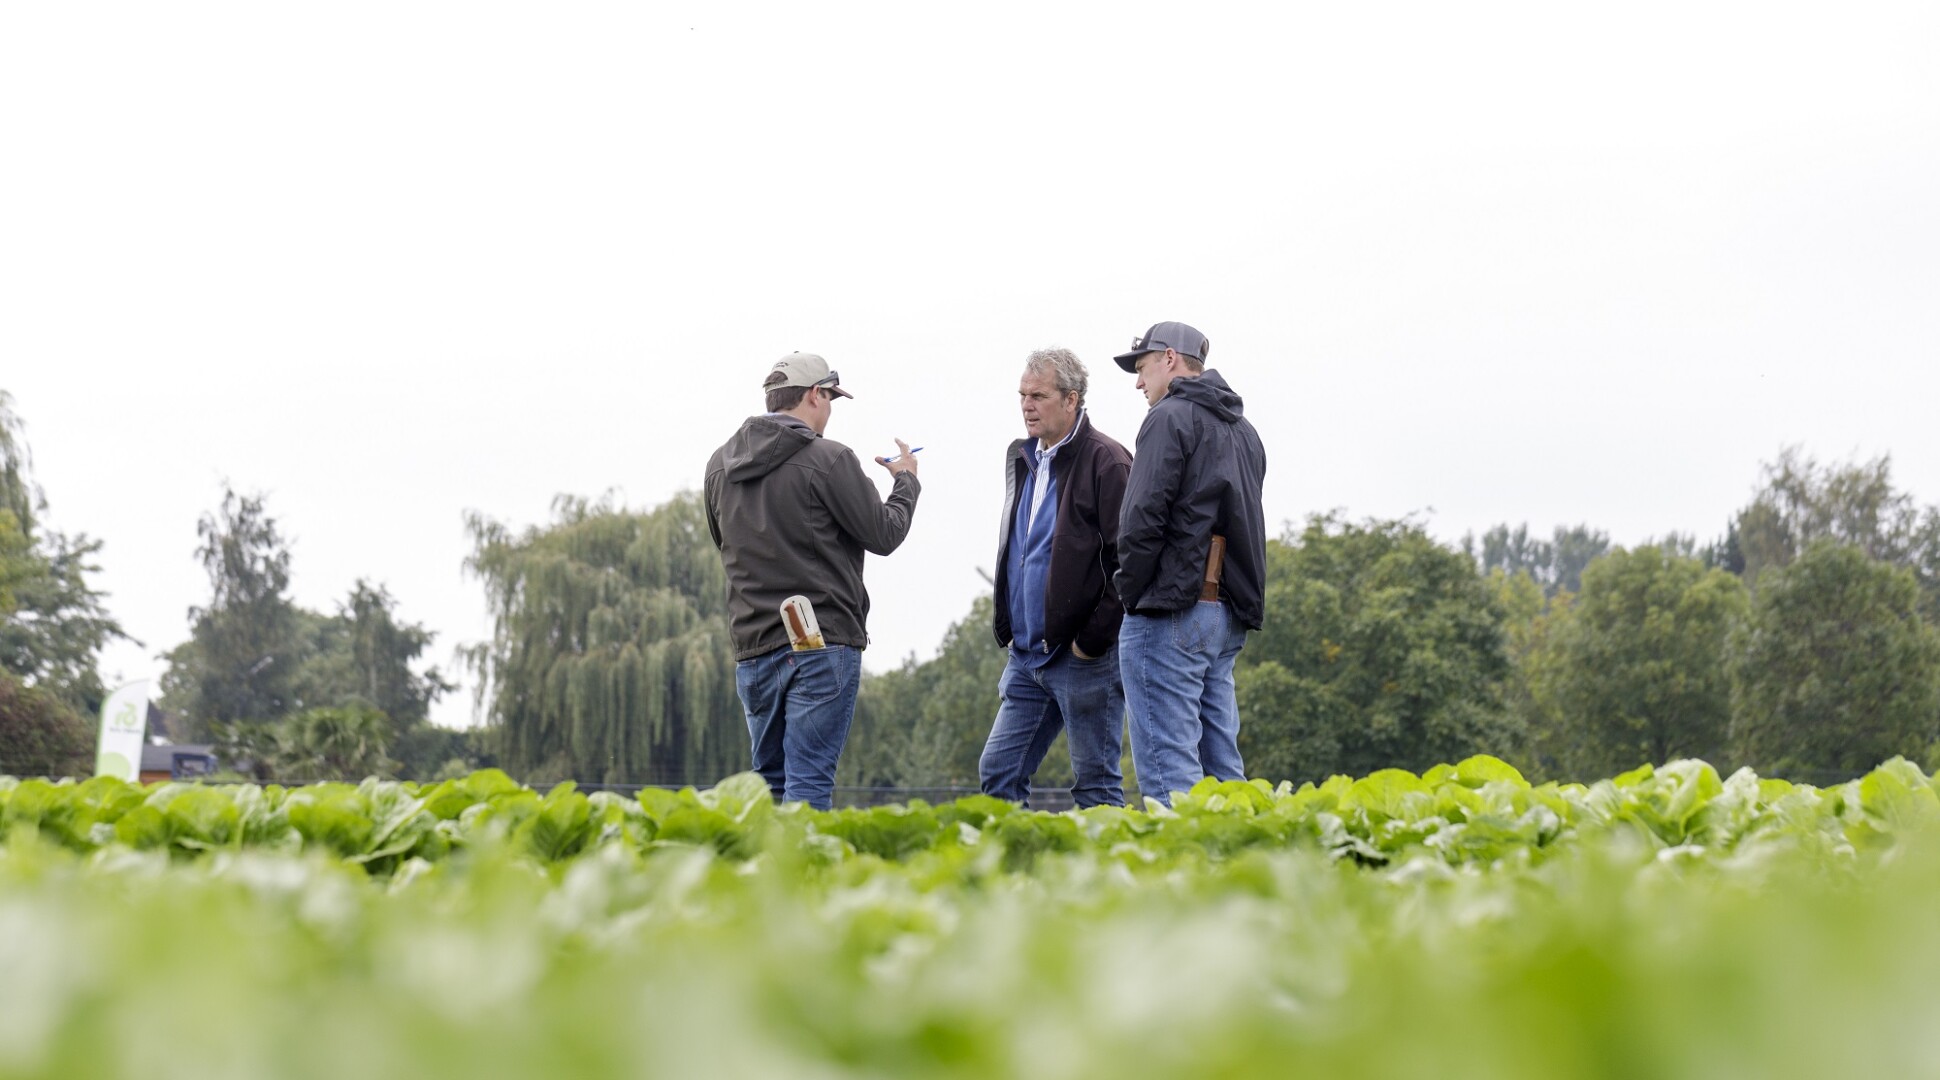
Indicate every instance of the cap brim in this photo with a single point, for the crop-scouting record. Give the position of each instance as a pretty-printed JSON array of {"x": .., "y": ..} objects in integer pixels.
[
  {"x": 839, "y": 392},
  {"x": 1129, "y": 361}
]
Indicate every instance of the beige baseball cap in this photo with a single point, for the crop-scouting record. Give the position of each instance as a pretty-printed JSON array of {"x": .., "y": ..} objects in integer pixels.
[{"x": 804, "y": 369}]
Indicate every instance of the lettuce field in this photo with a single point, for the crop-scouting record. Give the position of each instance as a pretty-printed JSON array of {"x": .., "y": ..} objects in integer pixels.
[{"x": 1462, "y": 923}]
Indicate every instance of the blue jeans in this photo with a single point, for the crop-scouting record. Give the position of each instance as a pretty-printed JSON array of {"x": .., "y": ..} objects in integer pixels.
[
  {"x": 799, "y": 708},
  {"x": 1082, "y": 697},
  {"x": 1178, "y": 670}
]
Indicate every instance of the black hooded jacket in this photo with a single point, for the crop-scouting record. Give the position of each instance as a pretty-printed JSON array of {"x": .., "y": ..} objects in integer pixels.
[
  {"x": 792, "y": 513},
  {"x": 1197, "y": 471}
]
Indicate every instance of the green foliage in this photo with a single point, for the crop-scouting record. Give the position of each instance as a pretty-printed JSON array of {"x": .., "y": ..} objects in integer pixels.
[
  {"x": 53, "y": 624},
  {"x": 1529, "y": 621},
  {"x": 426, "y": 751},
  {"x": 279, "y": 685},
  {"x": 245, "y": 649},
  {"x": 374, "y": 825},
  {"x": 40, "y": 734},
  {"x": 347, "y": 743},
  {"x": 1556, "y": 564},
  {"x": 58, "y": 624},
  {"x": 1381, "y": 648},
  {"x": 610, "y": 659},
  {"x": 319, "y": 744},
  {"x": 472, "y": 925},
  {"x": 1834, "y": 670},
  {"x": 1360, "y": 927},
  {"x": 1478, "y": 812},
  {"x": 364, "y": 656},
  {"x": 924, "y": 724},
  {"x": 16, "y": 562},
  {"x": 20, "y": 497},
  {"x": 1633, "y": 669},
  {"x": 1801, "y": 502},
  {"x": 1844, "y": 683},
  {"x": 362, "y": 659}
]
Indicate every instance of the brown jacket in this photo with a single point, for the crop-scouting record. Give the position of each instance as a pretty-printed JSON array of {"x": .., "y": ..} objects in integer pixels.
[{"x": 792, "y": 513}]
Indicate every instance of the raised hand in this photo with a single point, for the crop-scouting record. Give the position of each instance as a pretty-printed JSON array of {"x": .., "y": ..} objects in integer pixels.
[{"x": 904, "y": 461}]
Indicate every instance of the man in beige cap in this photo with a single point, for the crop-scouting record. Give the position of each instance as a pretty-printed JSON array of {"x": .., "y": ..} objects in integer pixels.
[{"x": 792, "y": 513}]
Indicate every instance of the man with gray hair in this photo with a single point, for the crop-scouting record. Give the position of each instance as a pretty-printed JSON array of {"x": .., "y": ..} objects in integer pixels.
[{"x": 1056, "y": 613}]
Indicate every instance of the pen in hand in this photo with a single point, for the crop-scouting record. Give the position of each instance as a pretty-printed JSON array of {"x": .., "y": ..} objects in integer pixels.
[{"x": 899, "y": 457}]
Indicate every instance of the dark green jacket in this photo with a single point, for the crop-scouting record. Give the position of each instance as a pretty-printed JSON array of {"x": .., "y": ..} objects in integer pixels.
[{"x": 793, "y": 513}]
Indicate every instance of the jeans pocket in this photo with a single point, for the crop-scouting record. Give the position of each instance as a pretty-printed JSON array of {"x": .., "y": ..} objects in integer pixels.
[
  {"x": 1192, "y": 629},
  {"x": 819, "y": 675}
]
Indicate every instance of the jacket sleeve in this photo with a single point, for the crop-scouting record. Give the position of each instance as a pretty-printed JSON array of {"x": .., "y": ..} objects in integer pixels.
[
  {"x": 1100, "y": 631},
  {"x": 851, "y": 498},
  {"x": 710, "y": 496},
  {"x": 1158, "y": 470}
]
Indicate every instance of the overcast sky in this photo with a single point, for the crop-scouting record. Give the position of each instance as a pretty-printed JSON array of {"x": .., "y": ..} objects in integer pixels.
[{"x": 389, "y": 262}]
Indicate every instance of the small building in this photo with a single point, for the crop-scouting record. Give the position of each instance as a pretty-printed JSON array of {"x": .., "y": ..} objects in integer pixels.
[{"x": 177, "y": 762}]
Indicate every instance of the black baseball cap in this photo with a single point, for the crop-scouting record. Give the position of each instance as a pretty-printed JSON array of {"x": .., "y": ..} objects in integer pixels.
[{"x": 1176, "y": 336}]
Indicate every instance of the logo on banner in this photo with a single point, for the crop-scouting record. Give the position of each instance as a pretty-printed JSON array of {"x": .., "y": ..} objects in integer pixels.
[{"x": 124, "y": 724}]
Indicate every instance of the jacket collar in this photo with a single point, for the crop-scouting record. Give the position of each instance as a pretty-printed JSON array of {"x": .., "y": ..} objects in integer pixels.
[{"x": 1021, "y": 450}]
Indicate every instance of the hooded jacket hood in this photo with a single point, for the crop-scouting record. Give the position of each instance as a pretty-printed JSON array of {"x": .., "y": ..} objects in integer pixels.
[
  {"x": 762, "y": 445},
  {"x": 1208, "y": 391}
]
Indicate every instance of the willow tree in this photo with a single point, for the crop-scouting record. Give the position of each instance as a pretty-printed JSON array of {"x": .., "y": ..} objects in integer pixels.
[{"x": 610, "y": 659}]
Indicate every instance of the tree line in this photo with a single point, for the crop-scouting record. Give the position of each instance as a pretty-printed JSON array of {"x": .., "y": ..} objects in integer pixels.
[
  {"x": 52, "y": 624},
  {"x": 1801, "y": 642},
  {"x": 290, "y": 693}
]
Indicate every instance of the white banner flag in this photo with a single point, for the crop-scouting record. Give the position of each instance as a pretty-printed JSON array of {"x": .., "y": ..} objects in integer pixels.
[{"x": 124, "y": 727}]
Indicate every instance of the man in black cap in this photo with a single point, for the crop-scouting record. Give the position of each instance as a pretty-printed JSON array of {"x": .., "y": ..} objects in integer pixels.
[
  {"x": 792, "y": 513},
  {"x": 1191, "y": 563}
]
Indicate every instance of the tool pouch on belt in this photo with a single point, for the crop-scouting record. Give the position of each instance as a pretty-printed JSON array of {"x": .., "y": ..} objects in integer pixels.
[
  {"x": 1215, "y": 564},
  {"x": 798, "y": 615}
]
